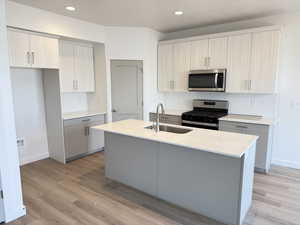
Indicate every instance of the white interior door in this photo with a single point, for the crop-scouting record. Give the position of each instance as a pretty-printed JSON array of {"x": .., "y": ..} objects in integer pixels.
[
  {"x": 1, "y": 205},
  {"x": 127, "y": 89}
]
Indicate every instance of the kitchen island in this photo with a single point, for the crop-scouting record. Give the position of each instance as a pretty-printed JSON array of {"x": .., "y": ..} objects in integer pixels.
[{"x": 206, "y": 171}]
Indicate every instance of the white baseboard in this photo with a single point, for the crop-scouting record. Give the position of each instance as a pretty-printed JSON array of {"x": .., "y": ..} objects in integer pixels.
[
  {"x": 285, "y": 163},
  {"x": 29, "y": 159}
]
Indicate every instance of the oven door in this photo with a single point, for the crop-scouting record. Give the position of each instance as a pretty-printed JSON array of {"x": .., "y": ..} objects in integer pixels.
[
  {"x": 207, "y": 80},
  {"x": 211, "y": 126}
]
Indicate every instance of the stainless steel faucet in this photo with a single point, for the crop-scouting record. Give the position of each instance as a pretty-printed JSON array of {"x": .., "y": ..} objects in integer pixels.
[{"x": 160, "y": 105}]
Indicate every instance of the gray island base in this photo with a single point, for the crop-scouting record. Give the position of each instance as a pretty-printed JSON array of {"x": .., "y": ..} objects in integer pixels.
[{"x": 214, "y": 185}]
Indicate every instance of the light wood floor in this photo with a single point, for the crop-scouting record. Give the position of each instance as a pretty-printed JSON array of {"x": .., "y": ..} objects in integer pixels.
[{"x": 79, "y": 194}]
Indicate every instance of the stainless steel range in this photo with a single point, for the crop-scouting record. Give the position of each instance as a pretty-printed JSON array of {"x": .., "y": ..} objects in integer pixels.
[{"x": 205, "y": 114}]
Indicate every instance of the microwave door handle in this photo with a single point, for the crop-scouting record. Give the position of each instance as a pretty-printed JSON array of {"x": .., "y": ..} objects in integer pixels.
[{"x": 216, "y": 80}]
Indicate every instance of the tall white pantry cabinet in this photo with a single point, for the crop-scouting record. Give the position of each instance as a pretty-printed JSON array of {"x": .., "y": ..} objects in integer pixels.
[{"x": 250, "y": 57}]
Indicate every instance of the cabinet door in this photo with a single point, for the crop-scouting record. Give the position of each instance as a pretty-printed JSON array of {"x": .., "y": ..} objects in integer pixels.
[
  {"x": 96, "y": 137},
  {"x": 66, "y": 72},
  {"x": 217, "y": 53},
  {"x": 182, "y": 65},
  {"x": 238, "y": 69},
  {"x": 44, "y": 52},
  {"x": 1, "y": 205},
  {"x": 199, "y": 54},
  {"x": 76, "y": 140},
  {"x": 265, "y": 46},
  {"x": 165, "y": 67},
  {"x": 84, "y": 68},
  {"x": 19, "y": 49}
]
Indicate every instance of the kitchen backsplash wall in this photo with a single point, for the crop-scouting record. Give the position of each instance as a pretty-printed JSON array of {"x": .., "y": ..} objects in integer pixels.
[
  {"x": 238, "y": 103},
  {"x": 74, "y": 102}
]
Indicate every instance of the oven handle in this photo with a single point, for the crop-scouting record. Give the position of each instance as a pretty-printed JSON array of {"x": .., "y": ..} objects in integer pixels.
[{"x": 200, "y": 123}]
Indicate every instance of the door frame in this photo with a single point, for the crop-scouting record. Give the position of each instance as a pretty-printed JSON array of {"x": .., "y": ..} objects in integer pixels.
[{"x": 142, "y": 82}]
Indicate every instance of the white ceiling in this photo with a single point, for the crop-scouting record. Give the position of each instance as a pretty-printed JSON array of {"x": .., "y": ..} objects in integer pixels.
[{"x": 158, "y": 14}]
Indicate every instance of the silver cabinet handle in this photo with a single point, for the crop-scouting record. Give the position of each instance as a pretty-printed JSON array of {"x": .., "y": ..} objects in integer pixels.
[
  {"x": 86, "y": 120},
  {"x": 208, "y": 61},
  {"x": 86, "y": 131},
  {"x": 32, "y": 56},
  {"x": 240, "y": 126},
  {"x": 75, "y": 84},
  {"x": 113, "y": 110},
  {"x": 28, "y": 58},
  {"x": 250, "y": 84}
]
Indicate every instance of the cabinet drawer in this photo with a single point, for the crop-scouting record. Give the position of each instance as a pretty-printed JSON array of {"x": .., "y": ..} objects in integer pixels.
[
  {"x": 165, "y": 118},
  {"x": 87, "y": 119},
  {"x": 245, "y": 128}
]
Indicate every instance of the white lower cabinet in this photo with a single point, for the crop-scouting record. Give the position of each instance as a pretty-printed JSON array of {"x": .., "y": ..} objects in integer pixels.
[
  {"x": 79, "y": 139},
  {"x": 264, "y": 143}
]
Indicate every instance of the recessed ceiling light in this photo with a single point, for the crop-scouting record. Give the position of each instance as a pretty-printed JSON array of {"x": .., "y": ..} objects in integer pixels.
[
  {"x": 178, "y": 13},
  {"x": 70, "y": 8}
]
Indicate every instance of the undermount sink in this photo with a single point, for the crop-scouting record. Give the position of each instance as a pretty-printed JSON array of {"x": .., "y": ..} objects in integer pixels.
[{"x": 170, "y": 129}]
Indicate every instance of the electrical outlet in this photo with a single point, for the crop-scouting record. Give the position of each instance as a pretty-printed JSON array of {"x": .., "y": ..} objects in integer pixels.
[{"x": 20, "y": 142}]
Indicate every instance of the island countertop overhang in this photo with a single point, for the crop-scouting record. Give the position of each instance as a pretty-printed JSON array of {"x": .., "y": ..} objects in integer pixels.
[{"x": 218, "y": 142}]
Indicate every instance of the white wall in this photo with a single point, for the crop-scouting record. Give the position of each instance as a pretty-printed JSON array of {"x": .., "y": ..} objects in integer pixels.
[
  {"x": 286, "y": 145},
  {"x": 34, "y": 19},
  {"x": 135, "y": 44},
  {"x": 74, "y": 102},
  {"x": 29, "y": 110},
  {"x": 9, "y": 160}
]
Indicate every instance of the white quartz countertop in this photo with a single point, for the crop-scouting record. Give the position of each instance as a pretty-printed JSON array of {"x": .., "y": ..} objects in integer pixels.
[
  {"x": 75, "y": 115},
  {"x": 248, "y": 119},
  {"x": 218, "y": 142}
]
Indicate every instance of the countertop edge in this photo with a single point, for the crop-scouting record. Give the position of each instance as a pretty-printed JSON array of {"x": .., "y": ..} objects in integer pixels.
[
  {"x": 81, "y": 115},
  {"x": 176, "y": 144}
]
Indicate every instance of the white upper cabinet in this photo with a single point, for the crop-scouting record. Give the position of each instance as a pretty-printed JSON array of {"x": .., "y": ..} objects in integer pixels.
[
  {"x": 66, "y": 70},
  {"x": 264, "y": 59},
  {"x": 31, "y": 50},
  {"x": 165, "y": 67},
  {"x": 84, "y": 68},
  {"x": 238, "y": 68},
  {"x": 44, "y": 52},
  {"x": 76, "y": 67},
  {"x": 182, "y": 62},
  {"x": 199, "y": 54},
  {"x": 250, "y": 57},
  {"x": 19, "y": 48},
  {"x": 217, "y": 58}
]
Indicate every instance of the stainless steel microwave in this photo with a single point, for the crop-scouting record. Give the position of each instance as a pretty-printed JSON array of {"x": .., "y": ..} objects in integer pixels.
[{"x": 207, "y": 80}]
